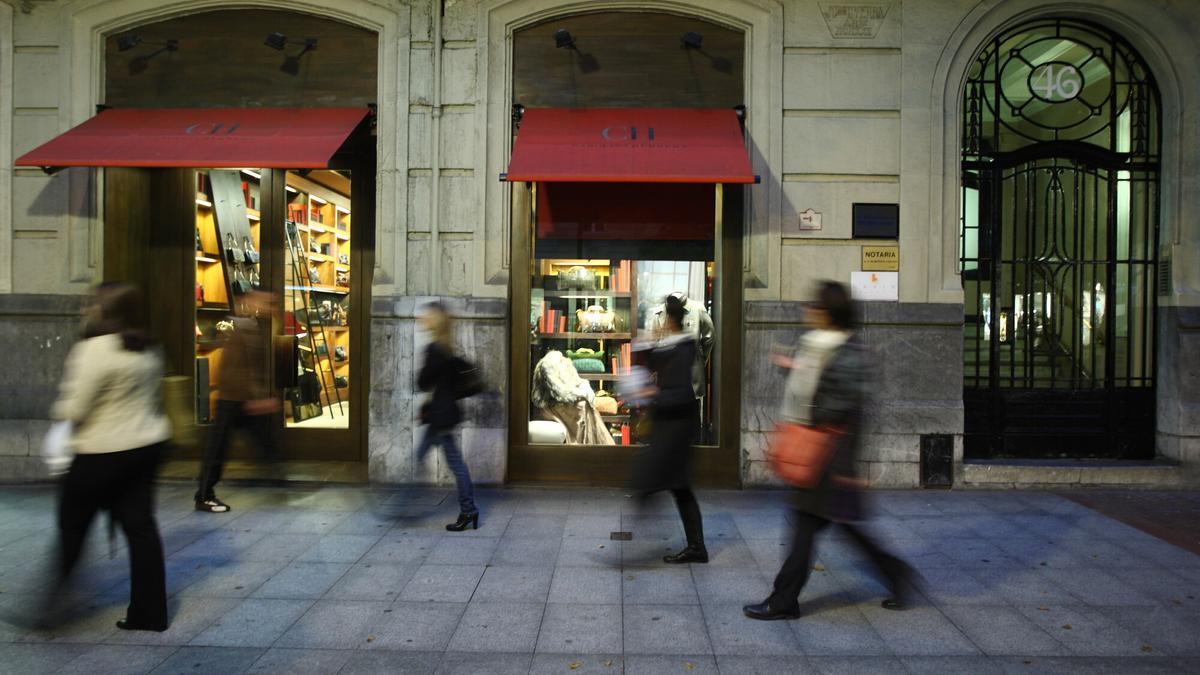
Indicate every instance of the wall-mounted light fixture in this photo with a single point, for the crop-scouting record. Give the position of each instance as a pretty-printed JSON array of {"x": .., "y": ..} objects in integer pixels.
[
  {"x": 291, "y": 64},
  {"x": 564, "y": 40},
  {"x": 692, "y": 40},
  {"x": 139, "y": 64}
]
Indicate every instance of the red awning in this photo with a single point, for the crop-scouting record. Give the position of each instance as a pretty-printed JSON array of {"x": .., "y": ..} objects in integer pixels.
[
  {"x": 630, "y": 145},
  {"x": 275, "y": 138}
]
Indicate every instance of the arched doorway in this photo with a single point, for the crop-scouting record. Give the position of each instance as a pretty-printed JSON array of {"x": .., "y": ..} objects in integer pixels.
[{"x": 1058, "y": 244}]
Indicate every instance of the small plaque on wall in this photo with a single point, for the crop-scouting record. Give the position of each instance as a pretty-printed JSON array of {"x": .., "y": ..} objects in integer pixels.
[
  {"x": 875, "y": 285},
  {"x": 876, "y": 221}
]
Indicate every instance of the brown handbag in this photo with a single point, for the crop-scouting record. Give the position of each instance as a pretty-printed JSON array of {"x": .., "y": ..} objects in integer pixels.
[{"x": 799, "y": 454}]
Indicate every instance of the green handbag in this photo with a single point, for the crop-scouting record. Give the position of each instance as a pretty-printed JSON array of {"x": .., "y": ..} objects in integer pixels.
[{"x": 574, "y": 354}]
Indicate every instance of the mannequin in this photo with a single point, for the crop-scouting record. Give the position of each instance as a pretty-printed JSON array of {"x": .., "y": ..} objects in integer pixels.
[{"x": 698, "y": 324}]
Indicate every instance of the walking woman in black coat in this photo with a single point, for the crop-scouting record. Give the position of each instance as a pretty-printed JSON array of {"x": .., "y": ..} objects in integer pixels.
[
  {"x": 440, "y": 413},
  {"x": 675, "y": 419},
  {"x": 826, "y": 389}
]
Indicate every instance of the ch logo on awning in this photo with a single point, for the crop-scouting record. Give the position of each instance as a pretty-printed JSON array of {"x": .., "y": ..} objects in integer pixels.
[
  {"x": 211, "y": 129},
  {"x": 622, "y": 133}
]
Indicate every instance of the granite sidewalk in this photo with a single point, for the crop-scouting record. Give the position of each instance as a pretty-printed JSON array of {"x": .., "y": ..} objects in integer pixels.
[{"x": 354, "y": 580}]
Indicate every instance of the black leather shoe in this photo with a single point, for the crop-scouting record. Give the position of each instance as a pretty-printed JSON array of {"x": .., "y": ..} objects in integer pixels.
[
  {"x": 763, "y": 612},
  {"x": 691, "y": 554},
  {"x": 464, "y": 521},
  {"x": 126, "y": 624}
]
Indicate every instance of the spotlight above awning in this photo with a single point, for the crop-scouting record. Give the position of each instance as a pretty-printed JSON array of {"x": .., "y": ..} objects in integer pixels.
[
  {"x": 630, "y": 145},
  {"x": 276, "y": 138}
]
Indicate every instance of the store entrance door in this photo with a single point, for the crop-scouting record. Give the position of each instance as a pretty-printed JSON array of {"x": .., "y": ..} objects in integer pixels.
[{"x": 290, "y": 234}]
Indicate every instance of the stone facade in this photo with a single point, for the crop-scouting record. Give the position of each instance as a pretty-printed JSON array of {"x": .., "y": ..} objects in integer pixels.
[{"x": 854, "y": 101}]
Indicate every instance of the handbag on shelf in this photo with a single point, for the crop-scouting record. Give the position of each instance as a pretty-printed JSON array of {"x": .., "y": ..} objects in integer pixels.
[
  {"x": 240, "y": 284},
  {"x": 575, "y": 354},
  {"x": 340, "y": 381},
  {"x": 799, "y": 453},
  {"x": 605, "y": 403},
  {"x": 249, "y": 251},
  {"x": 199, "y": 246},
  {"x": 199, "y": 294},
  {"x": 595, "y": 319},
  {"x": 232, "y": 252},
  {"x": 339, "y": 353},
  {"x": 344, "y": 259},
  {"x": 343, "y": 278},
  {"x": 594, "y": 366},
  {"x": 322, "y": 350},
  {"x": 577, "y": 277},
  {"x": 313, "y": 246},
  {"x": 314, "y": 277}
]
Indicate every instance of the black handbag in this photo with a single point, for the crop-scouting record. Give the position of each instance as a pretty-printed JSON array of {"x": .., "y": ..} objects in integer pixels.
[
  {"x": 310, "y": 388},
  {"x": 322, "y": 350},
  {"x": 252, "y": 256},
  {"x": 469, "y": 381},
  {"x": 240, "y": 285},
  {"x": 232, "y": 253},
  {"x": 340, "y": 381},
  {"x": 339, "y": 353}
]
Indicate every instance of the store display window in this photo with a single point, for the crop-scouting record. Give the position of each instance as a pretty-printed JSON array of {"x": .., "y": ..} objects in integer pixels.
[
  {"x": 605, "y": 257},
  {"x": 313, "y": 310}
]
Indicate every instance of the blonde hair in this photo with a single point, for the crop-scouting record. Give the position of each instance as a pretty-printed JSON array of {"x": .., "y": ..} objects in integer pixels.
[{"x": 441, "y": 325}]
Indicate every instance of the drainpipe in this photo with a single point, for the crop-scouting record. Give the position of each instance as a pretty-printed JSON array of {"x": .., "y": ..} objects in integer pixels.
[{"x": 435, "y": 155}]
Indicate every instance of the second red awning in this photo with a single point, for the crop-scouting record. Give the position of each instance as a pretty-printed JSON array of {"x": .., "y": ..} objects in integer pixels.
[
  {"x": 275, "y": 138},
  {"x": 630, "y": 145}
]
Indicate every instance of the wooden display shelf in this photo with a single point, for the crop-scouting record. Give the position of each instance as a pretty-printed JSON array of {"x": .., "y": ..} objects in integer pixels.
[
  {"x": 599, "y": 377},
  {"x": 318, "y": 289},
  {"x": 206, "y": 258},
  {"x": 213, "y": 308},
  {"x": 586, "y": 336},
  {"x": 615, "y": 418},
  {"x": 319, "y": 257},
  {"x": 583, "y": 295}
]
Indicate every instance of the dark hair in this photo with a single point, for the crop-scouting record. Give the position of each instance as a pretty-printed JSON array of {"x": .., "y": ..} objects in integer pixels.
[
  {"x": 834, "y": 298},
  {"x": 121, "y": 311},
  {"x": 674, "y": 309}
]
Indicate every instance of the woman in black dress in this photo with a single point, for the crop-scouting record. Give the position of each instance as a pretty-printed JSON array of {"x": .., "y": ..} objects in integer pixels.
[{"x": 675, "y": 419}]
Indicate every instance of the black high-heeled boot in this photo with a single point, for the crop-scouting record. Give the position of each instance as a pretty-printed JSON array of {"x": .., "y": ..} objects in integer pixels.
[{"x": 464, "y": 521}]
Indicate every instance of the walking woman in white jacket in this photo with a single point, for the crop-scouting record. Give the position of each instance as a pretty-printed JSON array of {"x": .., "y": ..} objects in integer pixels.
[{"x": 111, "y": 393}]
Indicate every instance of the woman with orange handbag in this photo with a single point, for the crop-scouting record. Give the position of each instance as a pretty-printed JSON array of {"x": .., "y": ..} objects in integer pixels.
[{"x": 814, "y": 449}]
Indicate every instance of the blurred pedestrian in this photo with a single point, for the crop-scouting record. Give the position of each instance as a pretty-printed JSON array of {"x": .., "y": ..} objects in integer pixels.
[
  {"x": 444, "y": 375},
  {"x": 111, "y": 395},
  {"x": 823, "y": 399},
  {"x": 244, "y": 398},
  {"x": 675, "y": 420}
]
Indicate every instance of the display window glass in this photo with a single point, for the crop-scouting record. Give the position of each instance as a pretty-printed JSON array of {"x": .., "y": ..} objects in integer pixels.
[
  {"x": 311, "y": 314},
  {"x": 605, "y": 257}
]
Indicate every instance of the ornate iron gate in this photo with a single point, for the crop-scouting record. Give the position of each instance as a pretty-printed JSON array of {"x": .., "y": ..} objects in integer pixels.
[{"x": 1059, "y": 243}]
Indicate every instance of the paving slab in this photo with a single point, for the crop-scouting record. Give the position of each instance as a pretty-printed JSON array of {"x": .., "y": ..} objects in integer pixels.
[
  {"x": 443, "y": 583},
  {"x": 498, "y": 627},
  {"x": 420, "y": 626},
  {"x": 117, "y": 659},
  {"x": 665, "y": 629},
  {"x": 254, "y": 622},
  {"x": 586, "y": 585},
  {"x": 503, "y": 583},
  {"x": 301, "y": 661},
  {"x": 580, "y": 629},
  {"x": 190, "y": 660}
]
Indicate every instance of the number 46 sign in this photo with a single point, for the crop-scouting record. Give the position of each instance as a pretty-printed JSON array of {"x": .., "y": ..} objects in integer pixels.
[{"x": 1055, "y": 82}]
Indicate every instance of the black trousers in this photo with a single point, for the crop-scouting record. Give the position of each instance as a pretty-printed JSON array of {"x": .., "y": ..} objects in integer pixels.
[
  {"x": 689, "y": 513},
  {"x": 794, "y": 573},
  {"x": 123, "y": 483},
  {"x": 231, "y": 415}
]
